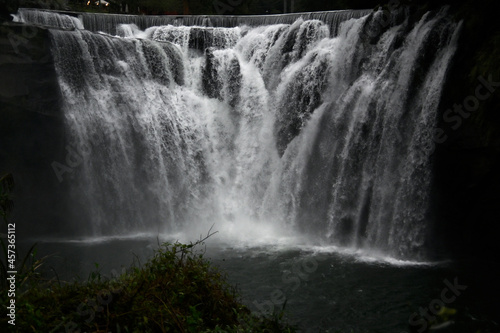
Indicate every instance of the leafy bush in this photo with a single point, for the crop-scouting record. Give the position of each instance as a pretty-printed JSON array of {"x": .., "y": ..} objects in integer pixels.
[{"x": 177, "y": 290}]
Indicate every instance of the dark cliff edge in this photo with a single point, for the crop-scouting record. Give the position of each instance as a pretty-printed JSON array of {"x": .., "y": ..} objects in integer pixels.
[
  {"x": 467, "y": 155},
  {"x": 31, "y": 125}
]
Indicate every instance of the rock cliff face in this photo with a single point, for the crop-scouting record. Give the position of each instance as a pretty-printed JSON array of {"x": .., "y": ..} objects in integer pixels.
[
  {"x": 467, "y": 154},
  {"x": 31, "y": 134},
  {"x": 26, "y": 64}
]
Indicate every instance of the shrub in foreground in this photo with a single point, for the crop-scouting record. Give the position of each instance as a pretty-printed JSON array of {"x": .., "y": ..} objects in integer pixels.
[{"x": 177, "y": 290}]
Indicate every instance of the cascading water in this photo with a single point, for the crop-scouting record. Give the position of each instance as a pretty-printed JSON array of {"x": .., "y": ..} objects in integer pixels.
[
  {"x": 108, "y": 23},
  {"x": 48, "y": 18},
  {"x": 277, "y": 127}
]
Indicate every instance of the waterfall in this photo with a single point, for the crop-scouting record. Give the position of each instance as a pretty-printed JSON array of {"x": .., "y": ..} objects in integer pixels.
[
  {"x": 48, "y": 18},
  {"x": 108, "y": 23},
  {"x": 286, "y": 127}
]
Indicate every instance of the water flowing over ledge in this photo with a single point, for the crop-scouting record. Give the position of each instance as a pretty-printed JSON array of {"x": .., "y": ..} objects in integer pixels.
[
  {"x": 109, "y": 22},
  {"x": 286, "y": 129}
]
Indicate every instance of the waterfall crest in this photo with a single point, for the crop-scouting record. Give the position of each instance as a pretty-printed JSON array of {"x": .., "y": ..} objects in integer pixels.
[
  {"x": 108, "y": 23},
  {"x": 48, "y": 18},
  {"x": 289, "y": 126}
]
